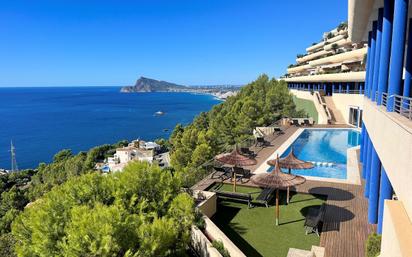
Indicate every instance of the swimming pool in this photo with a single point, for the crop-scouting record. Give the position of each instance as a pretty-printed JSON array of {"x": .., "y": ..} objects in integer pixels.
[{"x": 326, "y": 148}]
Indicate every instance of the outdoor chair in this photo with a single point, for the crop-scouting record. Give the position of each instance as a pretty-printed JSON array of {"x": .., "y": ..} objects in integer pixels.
[
  {"x": 224, "y": 172},
  {"x": 260, "y": 141},
  {"x": 278, "y": 131},
  {"x": 265, "y": 196},
  {"x": 295, "y": 122},
  {"x": 313, "y": 219},
  {"x": 242, "y": 173},
  {"x": 248, "y": 152},
  {"x": 307, "y": 122}
]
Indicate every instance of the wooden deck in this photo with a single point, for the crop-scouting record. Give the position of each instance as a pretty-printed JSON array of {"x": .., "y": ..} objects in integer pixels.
[{"x": 345, "y": 227}]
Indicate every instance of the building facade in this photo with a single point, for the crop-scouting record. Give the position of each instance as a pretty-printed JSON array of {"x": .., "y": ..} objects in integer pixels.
[
  {"x": 386, "y": 149},
  {"x": 136, "y": 150},
  {"x": 335, "y": 64},
  {"x": 331, "y": 75}
]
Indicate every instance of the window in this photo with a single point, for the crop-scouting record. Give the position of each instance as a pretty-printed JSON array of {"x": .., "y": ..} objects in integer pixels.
[{"x": 355, "y": 116}]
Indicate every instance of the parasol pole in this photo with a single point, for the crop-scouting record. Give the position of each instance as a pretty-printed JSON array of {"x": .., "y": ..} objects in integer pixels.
[
  {"x": 277, "y": 206},
  {"x": 287, "y": 191},
  {"x": 234, "y": 182},
  {"x": 234, "y": 172},
  {"x": 287, "y": 196}
]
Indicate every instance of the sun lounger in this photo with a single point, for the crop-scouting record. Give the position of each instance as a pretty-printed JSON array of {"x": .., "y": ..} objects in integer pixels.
[
  {"x": 295, "y": 122},
  {"x": 278, "y": 130},
  {"x": 306, "y": 122},
  {"x": 241, "y": 172},
  {"x": 265, "y": 196},
  {"x": 260, "y": 141},
  {"x": 236, "y": 196},
  {"x": 313, "y": 219},
  {"x": 247, "y": 151},
  {"x": 223, "y": 172}
]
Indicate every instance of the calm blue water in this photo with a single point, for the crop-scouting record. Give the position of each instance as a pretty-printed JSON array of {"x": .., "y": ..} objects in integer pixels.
[
  {"x": 42, "y": 121},
  {"x": 324, "y": 145}
]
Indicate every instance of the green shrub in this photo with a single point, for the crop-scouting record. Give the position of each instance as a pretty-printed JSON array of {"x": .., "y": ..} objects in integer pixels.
[
  {"x": 220, "y": 248},
  {"x": 199, "y": 221},
  {"x": 373, "y": 245}
]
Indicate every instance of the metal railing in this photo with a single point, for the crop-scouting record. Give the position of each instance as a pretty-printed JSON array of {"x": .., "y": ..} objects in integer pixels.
[
  {"x": 303, "y": 89},
  {"x": 355, "y": 92},
  {"x": 325, "y": 107},
  {"x": 384, "y": 99},
  {"x": 400, "y": 104},
  {"x": 403, "y": 106},
  {"x": 343, "y": 91}
]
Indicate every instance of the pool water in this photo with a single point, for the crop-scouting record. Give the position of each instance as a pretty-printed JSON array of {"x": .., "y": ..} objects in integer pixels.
[{"x": 326, "y": 148}]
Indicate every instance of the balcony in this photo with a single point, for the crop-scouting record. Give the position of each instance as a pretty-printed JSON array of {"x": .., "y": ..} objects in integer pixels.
[
  {"x": 340, "y": 43},
  {"x": 357, "y": 54},
  {"x": 400, "y": 104},
  {"x": 312, "y": 56},
  {"x": 329, "y": 41},
  {"x": 298, "y": 68},
  {"x": 358, "y": 76},
  {"x": 391, "y": 135}
]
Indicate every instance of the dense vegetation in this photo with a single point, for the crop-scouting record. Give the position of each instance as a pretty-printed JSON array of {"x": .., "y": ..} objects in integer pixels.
[
  {"x": 66, "y": 208},
  {"x": 373, "y": 245},
  {"x": 138, "y": 212},
  {"x": 20, "y": 188},
  {"x": 260, "y": 103}
]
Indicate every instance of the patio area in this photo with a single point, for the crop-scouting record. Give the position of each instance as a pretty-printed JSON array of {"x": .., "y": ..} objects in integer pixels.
[
  {"x": 345, "y": 228},
  {"x": 253, "y": 230}
]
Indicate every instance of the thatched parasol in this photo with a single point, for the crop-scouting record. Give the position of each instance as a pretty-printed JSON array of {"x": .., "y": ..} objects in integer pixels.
[
  {"x": 235, "y": 159},
  {"x": 291, "y": 162},
  {"x": 277, "y": 179}
]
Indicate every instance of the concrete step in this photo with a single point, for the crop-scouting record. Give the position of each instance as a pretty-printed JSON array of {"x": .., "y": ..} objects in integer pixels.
[{"x": 337, "y": 116}]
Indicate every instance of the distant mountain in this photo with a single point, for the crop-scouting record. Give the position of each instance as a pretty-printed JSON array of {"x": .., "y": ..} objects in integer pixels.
[{"x": 151, "y": 85}]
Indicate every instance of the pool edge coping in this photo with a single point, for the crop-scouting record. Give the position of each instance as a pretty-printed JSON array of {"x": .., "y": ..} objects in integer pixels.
[{"x": 352, "y": 162}]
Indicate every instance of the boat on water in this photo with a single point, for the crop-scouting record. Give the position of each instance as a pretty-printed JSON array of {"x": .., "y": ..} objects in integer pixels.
[{"x": 159, "y": 113}]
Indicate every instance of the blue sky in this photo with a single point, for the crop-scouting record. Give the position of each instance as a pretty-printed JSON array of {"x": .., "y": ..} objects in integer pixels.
[{"x": 112, "y": 43}]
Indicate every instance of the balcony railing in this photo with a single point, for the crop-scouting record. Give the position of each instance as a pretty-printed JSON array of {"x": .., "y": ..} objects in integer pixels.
[
  {"x": 403, "y": 106},
  {"x": 400, "y": 104},
  {"x": 343, "y": 91},
  {"x": 323, "y": 104}
]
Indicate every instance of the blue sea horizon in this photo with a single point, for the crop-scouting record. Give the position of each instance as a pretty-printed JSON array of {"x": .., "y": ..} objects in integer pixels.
[{"x": 44, "y": 120}]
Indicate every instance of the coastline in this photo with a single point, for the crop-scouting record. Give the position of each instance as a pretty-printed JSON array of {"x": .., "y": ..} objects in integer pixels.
[
  {"x": 218, "y": 95},
  {"x": 80, "y": 118}
]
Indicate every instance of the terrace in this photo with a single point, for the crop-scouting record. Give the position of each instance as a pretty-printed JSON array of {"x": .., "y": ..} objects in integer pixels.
[
  {"x": 344, "y": 230},
  {"x": 253, "y": 230}
]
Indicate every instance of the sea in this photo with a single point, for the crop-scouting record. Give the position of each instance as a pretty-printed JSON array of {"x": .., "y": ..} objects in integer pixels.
[{"x": 44, "y": 120}]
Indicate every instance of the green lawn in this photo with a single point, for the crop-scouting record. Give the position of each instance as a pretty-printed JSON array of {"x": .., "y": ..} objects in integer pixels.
[
  {"x": 254, "y": 231},
  {"x": 307, "y": 106}
]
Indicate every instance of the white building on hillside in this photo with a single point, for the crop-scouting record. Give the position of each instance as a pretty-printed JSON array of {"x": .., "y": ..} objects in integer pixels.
[{"x": 136, "y": 150}]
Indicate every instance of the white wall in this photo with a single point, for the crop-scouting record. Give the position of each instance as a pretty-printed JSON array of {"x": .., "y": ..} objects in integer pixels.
[
  {"x": 302, "y": 94},
  {"x": 217, "y": 234},
  {"x": 202, "y": 245},
  {"x": 391, "y": 135},
  {"x": 344, "y": 101},
  {"x": 124, "y": 156},
  {"x": 208, "y": 208},
  {"x": 322, "y": 117},
  {"x": 396, "y": 231}
]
